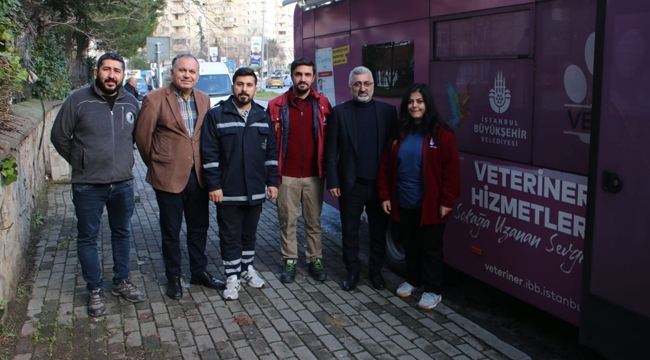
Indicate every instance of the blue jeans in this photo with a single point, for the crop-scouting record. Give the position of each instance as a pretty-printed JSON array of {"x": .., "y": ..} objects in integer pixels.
[{"x": 89, "y": 201}]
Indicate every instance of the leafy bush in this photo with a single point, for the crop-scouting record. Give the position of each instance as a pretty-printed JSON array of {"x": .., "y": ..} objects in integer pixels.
[
  {"x": 11, "y": 72},
  {"x": 51, "y": 67}
]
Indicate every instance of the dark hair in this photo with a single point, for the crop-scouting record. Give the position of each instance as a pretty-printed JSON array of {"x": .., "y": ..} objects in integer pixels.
[
  {"x": 182, "y": 55},
  {"x": 244, "y": 71},
  {"x": 302, "y": 61},
  {"x": 110, "y": 56},
  {"x": 430, "y": 120}
]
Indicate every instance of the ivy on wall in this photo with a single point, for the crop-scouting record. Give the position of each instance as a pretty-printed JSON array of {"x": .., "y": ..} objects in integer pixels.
[
  {"x": 8, "y": 170},
  {"x": 51, "y": 66}
]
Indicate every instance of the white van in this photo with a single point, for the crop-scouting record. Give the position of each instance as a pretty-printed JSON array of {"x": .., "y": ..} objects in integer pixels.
[{"x": 215, "y": 81}]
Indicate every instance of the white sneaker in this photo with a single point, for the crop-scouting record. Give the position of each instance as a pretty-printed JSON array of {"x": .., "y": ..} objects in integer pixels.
[
  {"x": 252, "y": 278},
  {"x": 429, "y": 300},
  {"x": 231, "y": 292},
  {"x": 405, "y": 290}
]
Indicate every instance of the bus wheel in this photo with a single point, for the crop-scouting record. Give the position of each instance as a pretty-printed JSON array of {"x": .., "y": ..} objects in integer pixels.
[{"x": 395, "y": 258}]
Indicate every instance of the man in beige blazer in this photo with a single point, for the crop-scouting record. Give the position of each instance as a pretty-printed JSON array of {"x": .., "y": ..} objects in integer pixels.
[{"x": 168, "y": 134}]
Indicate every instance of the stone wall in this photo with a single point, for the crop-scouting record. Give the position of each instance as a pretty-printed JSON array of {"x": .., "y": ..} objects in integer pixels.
[{"x": 26, "y": 139}]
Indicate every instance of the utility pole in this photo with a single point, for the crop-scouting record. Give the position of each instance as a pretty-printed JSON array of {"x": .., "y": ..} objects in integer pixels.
[
  {"x": 158, "y": 67},
  {"x": 263, "y": 40}
]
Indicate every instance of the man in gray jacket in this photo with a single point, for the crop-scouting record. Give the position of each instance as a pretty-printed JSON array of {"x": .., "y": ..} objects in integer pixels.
[{"x": 93, "y": 132}]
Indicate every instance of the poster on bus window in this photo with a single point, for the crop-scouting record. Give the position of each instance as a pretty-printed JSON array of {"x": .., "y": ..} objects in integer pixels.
[
  {"x": 564, "y": 77},
  {"x": 488, "y": 104},
  {"x": 521, "y": 229},
  {"x": 325, "y": 74}
]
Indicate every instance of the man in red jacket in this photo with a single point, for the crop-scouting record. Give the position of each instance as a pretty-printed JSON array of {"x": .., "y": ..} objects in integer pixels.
[{"x": 300, "y": 166}]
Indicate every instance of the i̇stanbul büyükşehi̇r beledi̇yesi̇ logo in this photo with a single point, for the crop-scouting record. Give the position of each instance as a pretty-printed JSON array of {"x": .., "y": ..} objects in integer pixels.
[{"x": 500, "y": 96}]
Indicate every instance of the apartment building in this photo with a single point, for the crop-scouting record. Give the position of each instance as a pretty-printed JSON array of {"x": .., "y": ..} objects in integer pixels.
[{"x": 229, "y": 25}]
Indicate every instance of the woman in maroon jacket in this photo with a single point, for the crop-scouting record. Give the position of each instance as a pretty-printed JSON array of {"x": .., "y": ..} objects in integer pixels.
[{"x": 418, "y": 184}]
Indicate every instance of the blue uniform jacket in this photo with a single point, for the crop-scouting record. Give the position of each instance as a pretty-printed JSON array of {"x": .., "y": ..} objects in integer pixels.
[{"x": 240, "y": 158}]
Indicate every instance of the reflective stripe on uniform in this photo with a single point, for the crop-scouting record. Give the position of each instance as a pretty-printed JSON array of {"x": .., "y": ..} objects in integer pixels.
[{"x": 230, "y": 124}]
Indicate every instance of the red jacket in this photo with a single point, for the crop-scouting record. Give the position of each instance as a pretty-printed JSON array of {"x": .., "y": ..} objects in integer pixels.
[
  {"x": 440, "y": 176},
  {"x": 279, "y": 111}
]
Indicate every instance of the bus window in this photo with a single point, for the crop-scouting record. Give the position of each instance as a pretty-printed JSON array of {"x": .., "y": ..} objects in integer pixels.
[{"x": 496, "y": 35}]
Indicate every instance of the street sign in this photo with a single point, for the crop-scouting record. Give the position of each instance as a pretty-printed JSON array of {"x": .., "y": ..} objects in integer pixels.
[{"x": 163, "y": 48}]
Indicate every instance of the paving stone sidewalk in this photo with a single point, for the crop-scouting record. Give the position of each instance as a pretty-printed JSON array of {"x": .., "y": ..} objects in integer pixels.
[{"x": 302, "y": 320}]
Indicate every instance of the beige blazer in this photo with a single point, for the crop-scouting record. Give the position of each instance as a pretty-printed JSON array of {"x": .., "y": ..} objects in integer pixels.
[{"x": 164, "y": 142}]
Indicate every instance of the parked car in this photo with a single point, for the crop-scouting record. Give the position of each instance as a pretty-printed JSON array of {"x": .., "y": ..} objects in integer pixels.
[
  {"x": 286, "y": 80},
  {"x": 143, "y": 88},
  {"x": 275, "y": 81}
]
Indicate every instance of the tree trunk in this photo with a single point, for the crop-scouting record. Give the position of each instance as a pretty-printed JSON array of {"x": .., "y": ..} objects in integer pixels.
[
  {"x": 68, "y": 44},
  {"x": 82, "y": 46}
]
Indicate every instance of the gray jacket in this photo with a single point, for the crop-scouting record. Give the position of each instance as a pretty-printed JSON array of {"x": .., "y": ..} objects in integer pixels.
[{"x": 96, "y": 141}]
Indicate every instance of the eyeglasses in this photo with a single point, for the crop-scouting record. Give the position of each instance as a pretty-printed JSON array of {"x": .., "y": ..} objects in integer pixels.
[{"x": 359, "y": 83}]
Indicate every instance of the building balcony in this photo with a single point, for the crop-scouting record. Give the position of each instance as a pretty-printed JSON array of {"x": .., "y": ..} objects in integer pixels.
[{"x": 179, "y": 23}]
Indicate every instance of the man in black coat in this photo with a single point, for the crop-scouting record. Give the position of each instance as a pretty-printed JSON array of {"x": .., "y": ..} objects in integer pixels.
[
  {"x": 132, "y": 87},
  {"x": 357, "y": 134}
]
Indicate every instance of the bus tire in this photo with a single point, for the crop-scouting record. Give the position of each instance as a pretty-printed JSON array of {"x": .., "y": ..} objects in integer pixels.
[{"x": 395, "y": 258}]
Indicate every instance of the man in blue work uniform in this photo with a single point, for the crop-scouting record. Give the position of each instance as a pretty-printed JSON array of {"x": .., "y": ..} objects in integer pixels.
[{"x": 240, "y": 169}]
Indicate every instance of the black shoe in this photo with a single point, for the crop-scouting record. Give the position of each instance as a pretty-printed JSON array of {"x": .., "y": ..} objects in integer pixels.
[
  {"x": 350, "y": 282},
  {"x": 377, "y": 281},
  {"x": 174, "y": 288},
  {"x": 289, "y": 273},
  {"x": 208, "y": 281},
  {"x": 316, "y": 270}
]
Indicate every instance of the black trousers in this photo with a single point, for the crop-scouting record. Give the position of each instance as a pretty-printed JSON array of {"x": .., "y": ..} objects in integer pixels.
[
  {"x": 193, "y": 202},
  {"x": 363, "y": 194},
  {"x": 423, "y": 246},
  {"x": 237, "y": 231}
]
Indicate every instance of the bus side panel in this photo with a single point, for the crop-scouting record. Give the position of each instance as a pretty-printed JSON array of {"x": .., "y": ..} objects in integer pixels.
[
  {"x": 467, "y": 94},
  {"x": 620, "y": 267},
  {"x": 308, "y": 24},
  {"x": 381, "y": 12},
  {"x": 308, "y": 49},
  {"x": 332, "y": 19},
  {"x": 564, "y": 84},
  {"x": 446, "y": 7},
  {"x": 616, "y": 294},
  {"x": 417, "y": 31},
  {"x": 521, "y": 229},
  {"x": 297, "y": 31}
]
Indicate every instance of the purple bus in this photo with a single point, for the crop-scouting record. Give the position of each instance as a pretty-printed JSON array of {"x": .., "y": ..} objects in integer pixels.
[{"x": 547, "y": 102}]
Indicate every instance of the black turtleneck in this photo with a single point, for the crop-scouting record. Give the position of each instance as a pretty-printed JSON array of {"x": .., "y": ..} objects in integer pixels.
[
  {"x": 111, "y": 100},
  {"x": 367, "y": 160}
]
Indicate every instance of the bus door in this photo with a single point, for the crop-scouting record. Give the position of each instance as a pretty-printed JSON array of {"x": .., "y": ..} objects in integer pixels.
[{"x": 615, "y": 316}]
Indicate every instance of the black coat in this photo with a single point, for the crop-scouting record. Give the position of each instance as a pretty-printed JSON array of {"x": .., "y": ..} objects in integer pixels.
[
  {"x": 133, "y": 91},
  {"x": 341, "y": 156}
]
